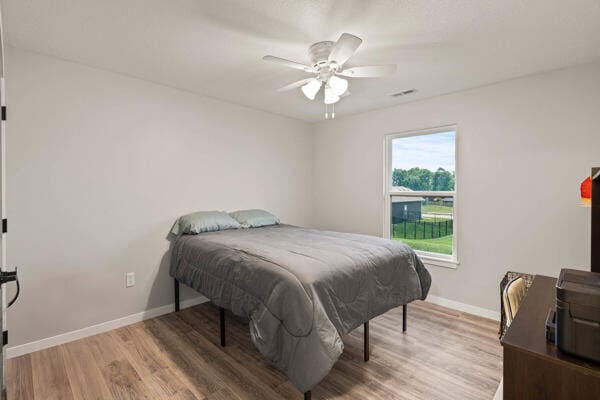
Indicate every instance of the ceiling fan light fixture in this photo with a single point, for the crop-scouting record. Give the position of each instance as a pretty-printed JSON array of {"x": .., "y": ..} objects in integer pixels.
[
  {"x": 328, "y": 64},
  {"x": 339, "y": 86},
  {"x": 330, "y": 96},
  {"x": 311, "y": 89}
]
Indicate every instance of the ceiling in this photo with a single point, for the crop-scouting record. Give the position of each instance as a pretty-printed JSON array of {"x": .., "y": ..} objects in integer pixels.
[{"x": 214, "y": 47}]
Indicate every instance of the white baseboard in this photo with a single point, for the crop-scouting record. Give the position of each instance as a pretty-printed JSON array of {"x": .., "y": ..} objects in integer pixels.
[
  {"x": 15, "y": 351},
  {"x": 482, "y": 312}
]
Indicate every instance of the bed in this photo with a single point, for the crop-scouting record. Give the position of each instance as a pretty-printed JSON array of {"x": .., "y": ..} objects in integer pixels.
[{"x": 300, "y": 289}]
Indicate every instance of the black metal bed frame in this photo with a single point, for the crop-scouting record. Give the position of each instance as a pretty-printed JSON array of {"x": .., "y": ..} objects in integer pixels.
[{"x": 307, "y": 395}]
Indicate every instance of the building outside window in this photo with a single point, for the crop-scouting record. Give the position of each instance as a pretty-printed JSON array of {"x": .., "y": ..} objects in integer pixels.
[{"x": 421, "y": 192}]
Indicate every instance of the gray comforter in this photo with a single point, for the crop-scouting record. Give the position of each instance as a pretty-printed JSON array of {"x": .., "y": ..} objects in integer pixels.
[{"x": 301, "y": 289}]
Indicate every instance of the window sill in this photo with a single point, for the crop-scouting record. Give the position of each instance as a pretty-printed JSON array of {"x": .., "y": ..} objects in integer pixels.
[{"x": 438, "y": 262}]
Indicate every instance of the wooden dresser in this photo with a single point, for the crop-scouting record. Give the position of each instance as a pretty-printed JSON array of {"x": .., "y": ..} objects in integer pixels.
[{"x": 535, "y": 368}]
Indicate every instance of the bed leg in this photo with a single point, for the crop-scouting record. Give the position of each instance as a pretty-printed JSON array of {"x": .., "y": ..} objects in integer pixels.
[
  {"x": 222, "y": 325},
  {"x": 307, "y": 395},
  {"x": 366, "y": 341},
  {"x": 176, "y": 294},
  {"x": 404, "y": 318}
]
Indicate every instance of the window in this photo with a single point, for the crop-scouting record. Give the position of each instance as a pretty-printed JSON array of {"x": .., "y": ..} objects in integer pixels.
[{"x": 420, "y": 193}]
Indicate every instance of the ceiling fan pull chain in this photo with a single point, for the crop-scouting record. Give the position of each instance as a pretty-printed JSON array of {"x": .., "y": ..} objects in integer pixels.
[{"x": 333, "y": 111}]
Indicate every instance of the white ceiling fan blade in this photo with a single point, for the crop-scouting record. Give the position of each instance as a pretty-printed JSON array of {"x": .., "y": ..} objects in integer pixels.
[
  {"x": 295, "y": 85},
  {"x": 288, "y": 63},
  {"x": 373, "y": 71},
  {"x": 345, "y": 47}
]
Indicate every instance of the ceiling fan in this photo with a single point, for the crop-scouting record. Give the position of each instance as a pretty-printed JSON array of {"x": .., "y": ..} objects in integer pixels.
[{"x": 327, "y": 62}]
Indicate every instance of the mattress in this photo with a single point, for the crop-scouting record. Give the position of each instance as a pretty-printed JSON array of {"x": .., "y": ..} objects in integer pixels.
[{"x": 300, "y": 289}]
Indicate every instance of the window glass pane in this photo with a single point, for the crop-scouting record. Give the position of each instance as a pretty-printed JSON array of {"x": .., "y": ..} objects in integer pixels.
[
  {"x": 424, "y": 162},
  {"x": 423, "y": 223}
]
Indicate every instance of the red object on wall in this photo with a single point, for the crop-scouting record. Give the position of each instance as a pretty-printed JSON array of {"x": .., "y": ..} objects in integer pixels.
[{"x": 586, "y": 190}]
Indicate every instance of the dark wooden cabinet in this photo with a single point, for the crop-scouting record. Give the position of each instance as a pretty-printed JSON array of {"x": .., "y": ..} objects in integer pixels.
[{"x": 535, "y": 368}]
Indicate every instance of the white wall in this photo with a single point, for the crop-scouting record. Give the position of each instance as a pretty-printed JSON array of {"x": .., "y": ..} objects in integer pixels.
[
  {"x": 98, "y": 167},
  {"x": 523, "y": 148}
]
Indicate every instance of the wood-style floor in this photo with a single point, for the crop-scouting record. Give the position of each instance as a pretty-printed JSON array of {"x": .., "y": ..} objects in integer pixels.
[{"x": 445, "y": 354}]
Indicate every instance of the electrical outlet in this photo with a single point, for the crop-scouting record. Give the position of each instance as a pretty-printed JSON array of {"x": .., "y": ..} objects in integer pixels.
[{"x": 129, "y": 279}]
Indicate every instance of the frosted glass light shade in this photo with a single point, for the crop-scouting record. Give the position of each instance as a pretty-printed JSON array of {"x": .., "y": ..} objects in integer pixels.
[
  {"x": 338, "y": 85},
  {"x": 330, "y": 96},
  {"x": 311, "y": 89}
]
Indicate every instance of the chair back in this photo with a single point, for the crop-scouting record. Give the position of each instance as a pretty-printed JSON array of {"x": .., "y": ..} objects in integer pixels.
[{"x": 513, "y": 295}]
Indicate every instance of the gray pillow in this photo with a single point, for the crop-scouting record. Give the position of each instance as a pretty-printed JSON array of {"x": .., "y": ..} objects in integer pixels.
[
  {"x": 254, "y": 218},
  {"x": 203, "y": 221}
]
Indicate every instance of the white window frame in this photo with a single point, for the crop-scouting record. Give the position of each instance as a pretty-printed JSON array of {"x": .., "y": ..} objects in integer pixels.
[{"x": 442, "y": 260}]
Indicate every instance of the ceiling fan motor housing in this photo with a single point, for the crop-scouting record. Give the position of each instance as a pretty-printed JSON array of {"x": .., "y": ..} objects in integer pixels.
[{"x": 319, "y": 54}]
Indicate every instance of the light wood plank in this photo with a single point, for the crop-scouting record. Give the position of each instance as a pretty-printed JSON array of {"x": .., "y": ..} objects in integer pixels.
[
  {"x": 20, "y": 376},
  {"x": 86, "y": 379},
  {"x": 50, "y": 379},
  {"x": 119, "y": 375},
  {"x": 445, "y": 354},
  {"x": 157, "y": 371}
]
